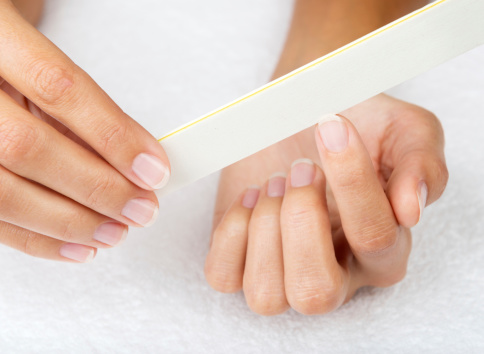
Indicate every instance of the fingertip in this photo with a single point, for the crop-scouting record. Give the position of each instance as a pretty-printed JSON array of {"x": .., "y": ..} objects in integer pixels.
[
  {"x": 221, "y": 281},
  {"x": 151, "y": 170},
  {"x": 275, "y": 186},
  {"x": 141, "y": 212},
  {"x": 251, "y": 196},
  {"x": 77, "y": 253},
  {"x": 302, "y": 173},
  {"x": 332, "y": 134},
  {"x": 408, "y": 197}
]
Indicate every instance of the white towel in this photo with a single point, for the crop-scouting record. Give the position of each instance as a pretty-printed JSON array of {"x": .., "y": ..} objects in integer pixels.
[{"x": 167, "y": 62}]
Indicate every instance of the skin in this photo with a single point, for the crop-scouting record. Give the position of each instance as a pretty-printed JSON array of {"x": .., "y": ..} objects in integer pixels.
[
  {"x": 313, "y": 247},
  {"x": 309, "y": 249},
  {"x": 67, "y": 151},
  {"x": 31, "y": 10}
]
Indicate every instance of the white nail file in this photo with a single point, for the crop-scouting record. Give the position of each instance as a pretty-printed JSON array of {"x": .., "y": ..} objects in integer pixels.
[{"x": 374, "y": 63}]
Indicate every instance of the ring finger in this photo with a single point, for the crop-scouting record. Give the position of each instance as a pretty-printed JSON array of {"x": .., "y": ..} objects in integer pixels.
[
  {"x": 37, "y": 245},
  {"x": 315, "y": 283},
  {"x": 38, "y": 209},
  {"x": 264, "y": 266}
]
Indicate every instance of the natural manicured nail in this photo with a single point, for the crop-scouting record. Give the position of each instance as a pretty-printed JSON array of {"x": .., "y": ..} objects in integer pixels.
[
  {"x": 422, "y": 193},
  {"x": 110, "y": 233},
  {"x": 78, "y": 253},
  {"x": 251, "y": 196},
  {"x": 151, "y": 170},
  {"x": 277, "y": 185},
  {"x": 334, "y": 133},
  {"x": 141, "y": 211},
  {"x": 302, "y": 173}
]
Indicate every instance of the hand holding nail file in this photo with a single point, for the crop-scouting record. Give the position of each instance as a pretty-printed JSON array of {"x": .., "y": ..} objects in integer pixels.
[{"x": 372, "y": 64}]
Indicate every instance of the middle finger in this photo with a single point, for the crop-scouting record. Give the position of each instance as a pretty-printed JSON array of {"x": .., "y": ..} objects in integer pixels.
[
  {"x": 315, "y": 282},
  {"x": 33, "y": 149}
]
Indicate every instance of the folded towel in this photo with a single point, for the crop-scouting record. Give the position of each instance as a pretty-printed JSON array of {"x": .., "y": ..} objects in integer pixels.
[{"x": 167, "y": 62}]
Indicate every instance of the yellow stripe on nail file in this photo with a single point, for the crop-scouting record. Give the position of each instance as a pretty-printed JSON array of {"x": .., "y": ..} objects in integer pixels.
[{"x": 374, "y": 63}]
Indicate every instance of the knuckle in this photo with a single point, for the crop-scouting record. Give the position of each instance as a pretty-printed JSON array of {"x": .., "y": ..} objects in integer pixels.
[
  {"x": 376, "y": 239},
  {"x": 392, "y": 278},
  {"x": 232, "y": 226},
  {"x": 438, "y": 124},
  {"x": 354, "y": 180},
  {"x": 6, "y": 190},
  {"x": 102, "y": 187},
  {"x": 444, "y": 172},
  {"x": 265, "y": 303},
  {"x": 430, "y": 120},
  {"x": 31, "y": 244},
  {"x": 112, "y": 136},
  {"x": 52, "y": 82},
  {"x": 396, "y": 277},
  {"x": 263, "y": 223},
  {"x": 442, "y": 176},
  {"x": 301, "y": 214},
  {"x": 397, "y": 268},
  {"x": 319, "y": 296},
  {"x": 18, "y": 141},
  {"x": 220, "y": 277},
  {"x": 217, "y": 217},
  {"x": 69, "y": 228}
]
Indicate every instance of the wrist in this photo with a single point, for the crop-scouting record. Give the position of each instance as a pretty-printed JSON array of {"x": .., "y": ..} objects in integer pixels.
[
  {"x": 31, "y": 10},
  {"x": 321, "y": 26}
]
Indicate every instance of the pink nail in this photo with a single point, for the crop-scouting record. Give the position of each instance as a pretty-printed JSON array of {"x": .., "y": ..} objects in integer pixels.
[
  {"x": 151, "y": 170},
  {"x": 302, "y": 173},
  {"x": 277, "y": 185},
  {"x": 110, "y": 233},
  {"x": 422, "y": 193},
  {"x": 141, "y": 211},
  {"x": 250, "y": 197},
  {"x": 334, "y": 133},
  {"x": 79, "y": 253}
]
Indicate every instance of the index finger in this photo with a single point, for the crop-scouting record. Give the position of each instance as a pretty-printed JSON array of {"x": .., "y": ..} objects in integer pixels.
[
  {"x": 379, "y": 244},
  {"x": 45, "y": 75}
]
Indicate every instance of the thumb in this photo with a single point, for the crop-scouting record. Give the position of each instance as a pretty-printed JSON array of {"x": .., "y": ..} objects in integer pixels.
[{"x": 415, "y": 150}]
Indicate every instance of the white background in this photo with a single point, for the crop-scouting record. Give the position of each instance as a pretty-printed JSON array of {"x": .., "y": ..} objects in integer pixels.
[{"x": 166, "y": 62}]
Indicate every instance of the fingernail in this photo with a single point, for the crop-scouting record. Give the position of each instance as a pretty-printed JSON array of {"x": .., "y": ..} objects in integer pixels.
[
  {"x": 110, "y": 233},
  {"x": 79, "y": 253},
  {"x": 141, "y": 211},
  {"x": 334, "y": 133},
  {"x": 302, "y": 173},
  {"x": 251, "y": 196},
  {"x": 422, "y": 193},
  {"x": 151, "y": 170},
  {"x": 277, "y": 185}
]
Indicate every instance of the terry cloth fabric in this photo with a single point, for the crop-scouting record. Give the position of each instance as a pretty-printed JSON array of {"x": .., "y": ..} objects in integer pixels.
[{"x": 167, "y": 62}]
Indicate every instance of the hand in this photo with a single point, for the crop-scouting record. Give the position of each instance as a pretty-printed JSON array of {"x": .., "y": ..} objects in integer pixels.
[
  {"x": 301, "y": 244},
  {"x": 75, "y": 170}
]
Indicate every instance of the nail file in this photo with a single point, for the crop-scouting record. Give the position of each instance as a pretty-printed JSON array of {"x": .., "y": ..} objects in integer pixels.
[{"x": 374, "y": 63}]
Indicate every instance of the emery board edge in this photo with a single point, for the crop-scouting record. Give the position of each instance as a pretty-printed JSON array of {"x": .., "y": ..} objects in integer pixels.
[{"x": 374, "y": 63}]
